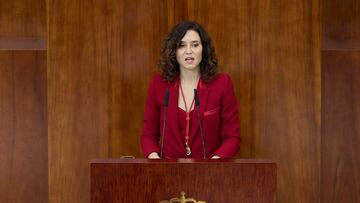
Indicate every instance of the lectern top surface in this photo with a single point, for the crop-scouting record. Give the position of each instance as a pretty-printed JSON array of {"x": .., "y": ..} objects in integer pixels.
[{"x": 177, "y": 161}]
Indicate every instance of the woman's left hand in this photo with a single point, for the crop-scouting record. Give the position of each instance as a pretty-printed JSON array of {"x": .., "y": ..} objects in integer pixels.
[{"x": 215, "y": 157}]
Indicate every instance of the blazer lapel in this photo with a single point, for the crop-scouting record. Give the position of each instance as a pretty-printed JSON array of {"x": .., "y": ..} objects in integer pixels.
[
  {"x": 173, "y": 111},
  {"x": 203, "y": 93}
]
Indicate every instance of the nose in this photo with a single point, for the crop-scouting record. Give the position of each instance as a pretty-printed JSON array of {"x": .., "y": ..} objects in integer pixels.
[{"x": 188, "y": 49}]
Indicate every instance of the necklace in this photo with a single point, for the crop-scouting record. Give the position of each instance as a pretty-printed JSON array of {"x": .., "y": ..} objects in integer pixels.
[{"x": 187, "y": 125}]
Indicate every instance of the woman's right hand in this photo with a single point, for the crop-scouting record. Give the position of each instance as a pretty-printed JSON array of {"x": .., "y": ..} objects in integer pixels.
[{"x": 153, "y": 155}]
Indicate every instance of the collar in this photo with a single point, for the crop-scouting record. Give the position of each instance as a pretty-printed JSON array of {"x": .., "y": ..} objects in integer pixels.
[{"x": 201, "y": 84}]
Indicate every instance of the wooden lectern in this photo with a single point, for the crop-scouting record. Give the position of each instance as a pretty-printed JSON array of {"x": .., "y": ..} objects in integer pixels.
[{"x": 183, "y": 180}]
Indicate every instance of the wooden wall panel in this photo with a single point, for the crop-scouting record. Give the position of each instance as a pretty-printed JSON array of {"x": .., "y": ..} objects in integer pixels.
[
  {"x": 272, "y": 51},
  {"x": 22, "y": 24},
  {"x": 101, "y": 57},
  {"x": 98, "y": 50},
  {"x": 340, "y": 24},
  {"x": 177, "y": 10},
  {"x": 340, "y": 152},
  {"x": 23, "y": 127},
  {"x": 340, "y": 163}
]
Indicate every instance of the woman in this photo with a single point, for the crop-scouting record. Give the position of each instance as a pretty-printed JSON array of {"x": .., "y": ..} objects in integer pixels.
[{"x": 188, "y": 62}]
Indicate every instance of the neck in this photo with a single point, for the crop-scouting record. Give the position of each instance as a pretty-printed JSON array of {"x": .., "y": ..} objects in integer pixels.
[{"x": 189, "y": 77}]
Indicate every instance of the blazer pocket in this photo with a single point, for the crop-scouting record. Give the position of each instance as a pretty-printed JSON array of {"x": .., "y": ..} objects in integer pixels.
[{"x": 212, "y": 111}]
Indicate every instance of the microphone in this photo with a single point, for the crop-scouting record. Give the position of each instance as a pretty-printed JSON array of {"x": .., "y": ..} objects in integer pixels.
[
  {"x": 166, "y": 104},
  {"x": 197, "y": 105}
]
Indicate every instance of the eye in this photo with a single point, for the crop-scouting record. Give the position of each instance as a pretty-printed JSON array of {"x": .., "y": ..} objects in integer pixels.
[{"x": 195, "y": 44}]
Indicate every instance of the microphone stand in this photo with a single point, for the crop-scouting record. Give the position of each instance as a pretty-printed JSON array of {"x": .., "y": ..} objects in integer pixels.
[
  {"x": 166, "y": 104},
  {"x": 197, "y": 105}
]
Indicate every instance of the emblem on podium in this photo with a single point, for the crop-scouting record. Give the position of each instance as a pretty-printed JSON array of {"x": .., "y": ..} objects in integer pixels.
[{"x": 182, "y": 199}]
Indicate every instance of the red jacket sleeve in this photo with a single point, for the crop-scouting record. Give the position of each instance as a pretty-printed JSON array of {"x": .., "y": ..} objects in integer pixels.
[
  {"x": 150, "y": 132},
  {"x": 230, "y": 125}
]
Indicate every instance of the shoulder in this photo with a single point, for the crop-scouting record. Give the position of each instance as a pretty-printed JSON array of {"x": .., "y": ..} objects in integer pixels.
[
  {"x": 158, "y": 79},
  {"x": 158, "y": 82},
  {"x": 220, "y": 79},
  {"x": 221, "y": 83}
]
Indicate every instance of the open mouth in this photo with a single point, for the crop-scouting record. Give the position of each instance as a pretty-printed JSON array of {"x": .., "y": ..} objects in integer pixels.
[{"x": 189, "y": 59}]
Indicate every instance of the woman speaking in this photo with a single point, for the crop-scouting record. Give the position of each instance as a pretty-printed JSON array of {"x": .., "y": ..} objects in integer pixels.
[{"x": 190, "y": 110}]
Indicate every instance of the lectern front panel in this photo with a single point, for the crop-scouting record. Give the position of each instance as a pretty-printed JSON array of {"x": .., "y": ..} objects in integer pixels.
[{"x": 142, "y": 180}]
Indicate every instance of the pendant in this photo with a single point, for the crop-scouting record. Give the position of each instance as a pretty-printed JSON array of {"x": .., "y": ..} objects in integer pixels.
[{"x": 187, "y": 149}]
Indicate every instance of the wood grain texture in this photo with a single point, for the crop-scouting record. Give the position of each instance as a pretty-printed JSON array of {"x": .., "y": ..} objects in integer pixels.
[
  {"x": 23, "y": 127},
  {"x": 340, "y": 152},
  {"x": 272, "y": 51},
  {"x": 340, "y": 24},
  {"x": 101, "y": 57},
  {"x": 22, "y": 43},
  {"x": 177, "y": 10},
  {"x": 22, "y": 24},
  {"x": 153, "y": 181}
]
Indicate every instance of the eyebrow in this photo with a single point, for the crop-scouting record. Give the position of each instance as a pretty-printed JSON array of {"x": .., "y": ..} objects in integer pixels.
[{"x": 191, "y": 41}]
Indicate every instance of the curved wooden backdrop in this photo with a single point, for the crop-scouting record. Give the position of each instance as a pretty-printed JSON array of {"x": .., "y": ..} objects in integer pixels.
[{"x": 297, "y": 89}]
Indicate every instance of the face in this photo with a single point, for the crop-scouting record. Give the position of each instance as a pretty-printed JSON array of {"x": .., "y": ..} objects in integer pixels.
[{"x": 189, "y": 53}]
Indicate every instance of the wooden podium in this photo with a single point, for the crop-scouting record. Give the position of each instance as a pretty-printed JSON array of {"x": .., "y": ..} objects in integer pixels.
[{"x": 210, "y": 181}]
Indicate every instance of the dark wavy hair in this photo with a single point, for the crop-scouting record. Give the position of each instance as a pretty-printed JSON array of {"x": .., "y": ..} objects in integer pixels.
[{"x": 168, "y": 65}]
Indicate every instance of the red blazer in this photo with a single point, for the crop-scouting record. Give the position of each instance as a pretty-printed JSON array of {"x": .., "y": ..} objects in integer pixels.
[{"x": 218, "y": 115}]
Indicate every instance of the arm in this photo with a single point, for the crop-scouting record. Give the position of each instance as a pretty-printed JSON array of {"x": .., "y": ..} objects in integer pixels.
[
  {"x": 230, "y": 126},
  {"x": 150, "y": 134}
]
